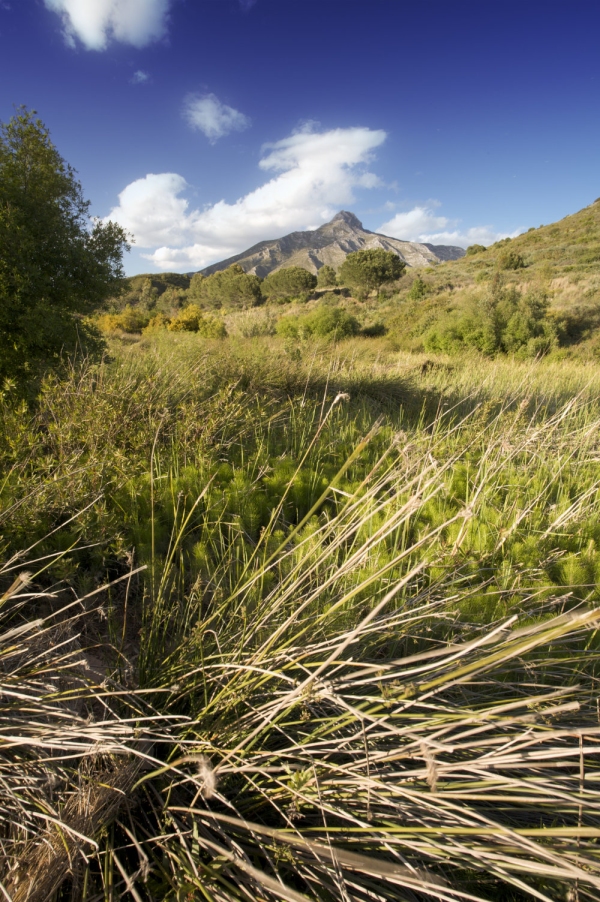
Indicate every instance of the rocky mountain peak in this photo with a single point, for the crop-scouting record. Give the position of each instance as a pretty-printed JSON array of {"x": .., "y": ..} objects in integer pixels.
[
  {"x": 349, "y": 218},
  {"x": 329, "y": 245}
]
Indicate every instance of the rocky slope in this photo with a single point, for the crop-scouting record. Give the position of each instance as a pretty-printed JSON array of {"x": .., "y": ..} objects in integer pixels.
[{"x": 330, "y": 244}]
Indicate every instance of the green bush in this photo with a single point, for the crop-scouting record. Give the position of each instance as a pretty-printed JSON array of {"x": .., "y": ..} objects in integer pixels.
[
  {"x": 511, "y": 260},
  {"x": 475, "y": 249},
  {"x": 418, "y": 289},
  {"x": 502, "y": 322},
  {"x": 289, "y": 282},
  {"x": 324, "y": 322}
]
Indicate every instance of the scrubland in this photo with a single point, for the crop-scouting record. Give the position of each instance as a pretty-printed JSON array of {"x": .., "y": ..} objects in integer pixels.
[{"x": 301, "y": 620}]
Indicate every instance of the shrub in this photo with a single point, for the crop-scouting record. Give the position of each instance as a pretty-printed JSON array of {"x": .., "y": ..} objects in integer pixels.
[
  {"x": 418, "y": 289},
  {"x": 129, "y": 320},
  {"x": 326, "y": 277},
  {"x": 324, "y": 322},
  {"x": 475, "y": 249},
  {"x": 289, "y": 282},
  {"x": 511, "y": 260},
  {"x": 502, "y": 322},
  {"x": 157, "y": 323},
  {"x": 191, "y": 319}
]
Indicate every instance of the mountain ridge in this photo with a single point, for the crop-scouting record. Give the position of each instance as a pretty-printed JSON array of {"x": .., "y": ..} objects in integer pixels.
[{"x": 329, "y": 245}]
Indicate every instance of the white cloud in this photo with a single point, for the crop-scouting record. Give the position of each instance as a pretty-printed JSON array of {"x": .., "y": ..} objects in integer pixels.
[
  {"x": 314, "y": 175},
  {"x": 206, "y": 113},
  {"x": 423, "y": 224},
  {"x": 139, "y": 78},
  {"x": 95, "y": 22},
  {"x": 152, "y": 211}
]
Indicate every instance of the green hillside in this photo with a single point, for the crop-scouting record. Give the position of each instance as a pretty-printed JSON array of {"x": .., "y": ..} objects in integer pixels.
[{"x": 530, "y": 295}]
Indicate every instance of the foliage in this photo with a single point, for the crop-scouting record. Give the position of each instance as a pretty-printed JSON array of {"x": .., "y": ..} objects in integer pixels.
[
  {"x": 418, "y": 289},
  {"x": 326, "y": 277},
  {"x": 129, "y": 320},
  {"x": 289, "y": 282},
  {"x": 192, "y": 319},
  {"x": 475, "y": 249},
  {"x": 323, "y": 322},
  {"x": 503, "y": 321},
  {"x": 54, "y": 265},
  {"x": 230, "y": 287},
  {"x": 370, "y": 269},
  {"x": 157, "y": 323},
  {"x": 511, "y": 260}
]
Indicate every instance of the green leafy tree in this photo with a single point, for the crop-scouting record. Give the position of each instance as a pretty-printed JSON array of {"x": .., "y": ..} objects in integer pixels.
[
  {"x": 289, "y": 282},
  {"x": 326, "y": 277},
  {"x": 231, "y": 287},
  {"x": 369, "y": 269},
  {"x": 54, "y": 263}
]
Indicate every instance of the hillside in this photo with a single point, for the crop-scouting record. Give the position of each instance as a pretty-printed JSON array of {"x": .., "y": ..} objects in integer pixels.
[
  {"x": 330, "y": 244},
  {"x": 564, "y": 257},
  {"x": 557, "y": 264}
]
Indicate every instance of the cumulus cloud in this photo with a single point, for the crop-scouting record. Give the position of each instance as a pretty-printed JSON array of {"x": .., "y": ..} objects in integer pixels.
[
  {"x": 139, "y": 78},
  {"x": 206, "y": 113},
  {"x": 423, "y": 224},
  {"x": 314, "y": 174},
  {"x": 96, "y": 22}
]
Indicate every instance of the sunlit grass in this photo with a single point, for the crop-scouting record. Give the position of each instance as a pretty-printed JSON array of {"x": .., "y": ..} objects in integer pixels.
[{"x": 317, "y": 627}]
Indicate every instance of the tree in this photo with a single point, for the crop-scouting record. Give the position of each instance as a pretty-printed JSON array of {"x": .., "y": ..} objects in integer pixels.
[
  {"x": 369, "y": 269},
  {"x": 326, "y": 277},
  {"x": 289, "y": 282},
  {"x": 230, "y": 287},
  {"x": 55, "y": 265}
]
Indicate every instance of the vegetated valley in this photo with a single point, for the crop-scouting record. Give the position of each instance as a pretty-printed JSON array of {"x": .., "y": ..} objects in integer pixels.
[{"x": 301, "y": 587}]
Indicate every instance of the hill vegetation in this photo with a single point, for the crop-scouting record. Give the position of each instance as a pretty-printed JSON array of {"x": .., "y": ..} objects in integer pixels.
[
  {"x": 532, "y": 295},
  {"x": 299, "y": 586}
]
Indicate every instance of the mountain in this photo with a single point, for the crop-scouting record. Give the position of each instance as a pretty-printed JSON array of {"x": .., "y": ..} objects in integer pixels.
[{"x": 330, "y": 244}]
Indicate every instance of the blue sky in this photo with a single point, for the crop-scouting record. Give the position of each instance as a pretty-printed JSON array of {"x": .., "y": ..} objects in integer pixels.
[{"x": 204, "y": 126}]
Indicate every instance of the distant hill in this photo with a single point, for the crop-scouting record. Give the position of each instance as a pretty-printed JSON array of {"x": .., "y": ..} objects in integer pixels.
[{"x": 330, "y": 244}]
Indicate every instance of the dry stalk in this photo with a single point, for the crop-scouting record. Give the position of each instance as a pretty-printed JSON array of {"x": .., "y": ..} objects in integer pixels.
[{"x": 48, "y": 860}]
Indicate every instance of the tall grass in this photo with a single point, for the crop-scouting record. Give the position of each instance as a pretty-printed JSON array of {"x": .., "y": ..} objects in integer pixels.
[{"x": 360, "y": 663}]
